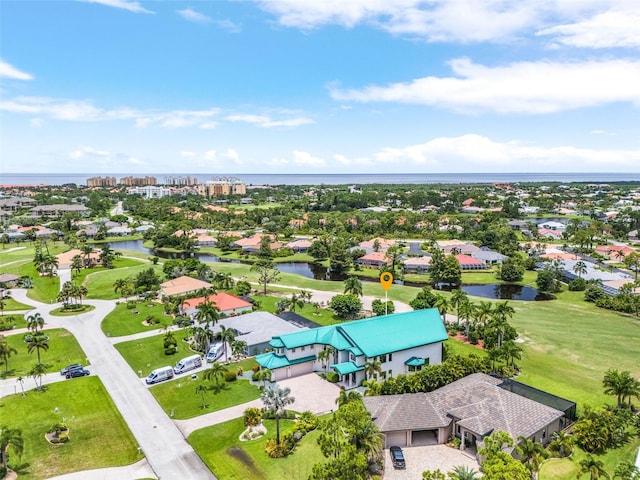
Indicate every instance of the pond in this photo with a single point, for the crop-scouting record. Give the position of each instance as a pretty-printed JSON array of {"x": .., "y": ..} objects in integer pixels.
[
  {"x": 505, "y": 291},
  {"x": 137, "y": 245}
]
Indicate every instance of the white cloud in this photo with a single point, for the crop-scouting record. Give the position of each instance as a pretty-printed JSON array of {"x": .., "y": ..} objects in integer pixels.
[
  {"x": 134, "y": 7},
  {"x": 227, "y": 24},
  {"x": 9, "y": 71},
  {"x": 306, "y": 159},
  {"x": 362, "y": 161},
  {"x": 210, "y": 155},
  {"x": 193, "y": 16},
  {"x": 618, "y": 27},
  {"x": 277, "y": 162},
  {"x": 265, "y": 121},
  {"x": 433, "y": 20},
  {"x": 523, "y": 87},
  {"x": 480, "y": 153},
  {"x": 188, "y": 154},
  {"x": 82, "y": 152},
  {"x": 136, "y": 161},
  {"x": 233, "y": 155},
  {"x": 36, "y": 122}
]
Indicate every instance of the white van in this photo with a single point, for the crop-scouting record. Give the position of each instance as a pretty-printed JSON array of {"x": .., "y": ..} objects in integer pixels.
[
  {"x": 186, "y": 364},
  {"x": 159, "y": 375},
  {"x": 215, "y": 351}
]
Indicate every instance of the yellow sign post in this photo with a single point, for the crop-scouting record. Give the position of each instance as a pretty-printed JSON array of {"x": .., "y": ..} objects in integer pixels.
[{"x": 386, "y": 279}]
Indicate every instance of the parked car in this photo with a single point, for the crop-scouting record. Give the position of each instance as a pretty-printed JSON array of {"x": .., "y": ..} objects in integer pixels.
[
  {"x": 77, "y": 373},
  {"x": 160, "y": 375},
  {"x": 215, "y": 351},
  {"x": 188, "y": 363},
  {"x": 397, "y": 458},
  {"x": 69, "y": 368}
]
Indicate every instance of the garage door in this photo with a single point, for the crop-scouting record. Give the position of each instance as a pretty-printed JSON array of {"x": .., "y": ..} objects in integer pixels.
[
  {"x": 300, "y": 369},
  {"x": 396, "y": 439}
]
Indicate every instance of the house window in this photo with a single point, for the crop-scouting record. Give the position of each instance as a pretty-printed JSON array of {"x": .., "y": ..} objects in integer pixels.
[
  {"x": 390, "y": 356},
  {"x": 302, "y": 348},
  {"x": 352, "y": 357},
  {"x": 544, "y": 434},
  {"x": 293, "y": 350},
  {"x": 390, "y": 373},
  {"x": 383, "y": 375}
]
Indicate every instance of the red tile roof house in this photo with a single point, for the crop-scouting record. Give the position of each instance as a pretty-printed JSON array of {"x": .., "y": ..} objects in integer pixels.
[
  {"x": 252, "y": 243},
  {"x": 373, "y": 260},
  {"x": 614, "y": 251},
  {"x": 384, "y": 244},
  {"x": 548, "y": 233},
  {"x": 182, "y": 286},
  {"x": 417, "y": 264},
  {"x": 469, "y": 263},
  {"x": 299, "y": 246},
  {"x": 226, "y": 303}
]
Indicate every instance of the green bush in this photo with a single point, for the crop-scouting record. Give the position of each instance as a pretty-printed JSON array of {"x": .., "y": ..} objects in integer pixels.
[
  {"x": 578, "y": 285},
  {"x": 131, "y": 304},
  {"x": 275, "y": 450},
  {"x": 333, "y": 377},
  {"x": 7, "y": 323},
  {"x": 171, "y": 350},
  {"x": 230, "y": 376}
]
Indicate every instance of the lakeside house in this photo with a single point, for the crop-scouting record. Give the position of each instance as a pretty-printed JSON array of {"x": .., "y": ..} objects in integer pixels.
[
  {"x": 226, "y": 304},
  {"x": 401, "y": 342},
  {"x": 182, "y": 286}
]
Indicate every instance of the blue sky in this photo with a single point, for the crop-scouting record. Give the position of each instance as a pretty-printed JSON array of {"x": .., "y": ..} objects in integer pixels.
[{"x": 310, "y": 86}]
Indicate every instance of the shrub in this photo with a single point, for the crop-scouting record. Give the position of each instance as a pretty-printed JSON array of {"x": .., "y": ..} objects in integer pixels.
[
  {"x": 252, "y": 416},
  {"x": 255, "y": 368},
  {"x": 473, "y": 337},
  {"x": 7, "y": 323},
  {"x": 131, "y": 304},
  {"x": 239, "y": 371},
  {"x": 578, "y": 285},
  {"x": 593, "y": 294},
  {"x": 275, "y": 450},
  {"x": 333, "y": 377},
  {"x": 171, "y": 350},
  {"x": 230, "y": 376}
]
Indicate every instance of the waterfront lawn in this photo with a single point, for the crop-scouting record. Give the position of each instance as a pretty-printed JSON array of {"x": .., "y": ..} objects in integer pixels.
[
  {"x": 11, "y": 305},
  {"x": 230, "y": 459},
  {"x": 26, "y": 251},
  {"x": 180, "y": 395},
  {"x": 147, "y": 354},
  {"x": 45, "y": 289},
  {"x": 80, "y": 277},
  {"x": 124, "y": 321},
  {"x": 63, "y": 350},
  {"x": 100, "y": 284},
  {"x": 99, "y": 435}
]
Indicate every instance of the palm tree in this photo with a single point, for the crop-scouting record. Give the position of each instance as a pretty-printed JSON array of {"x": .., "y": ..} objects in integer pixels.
[
  {"x": 347, "y": 397},
  {"x": 368, "y": 439},
  {"x": 466, "y": 313},
  {"x": 626, "y": 471},
  {"x": 325, "y": 355},
  {"x": 458, "y": 298},
  {"x": 295, "y": 301},
  {"x": 38, "y": 371},
  {"x": 34, "y": 322},
  {"x": 595, "y": 468},
  {"x": 263, "y": 375},
  {"x": 462, "y": 472},
  {"x": 10, "y": 438},
  {"x": 226, "y": 336},
  {"x": 580, "y": 268},
  {"x": 353, "y": 285},
  {"x": 372, "y": 367},
  {"x": 207, "y": 313},
  {"x": 562, "y": 442},
  {"x": 36, "y": 342},
  {"x": 275, "y": 400},
  {"x": 373, "y": 387},
  {"x": 620, "y": 384},
  {"x": 87, "y": 250},
  {"x": 120, "y": 284},
  {"x": 6, "y": 351},
  {"x": 216, "y": 372},
  {"x": 201, "y": 389},
  {"x": 532, "y": 454},
  {"x": 511, "y": 352},
  {"x": 20, "y": 380},
  {"x": 442, "y": 304},
  {"x": 76, "y": 264},
  {"x": 238, "y": 347},
  {"x": 482, "y": 312}
]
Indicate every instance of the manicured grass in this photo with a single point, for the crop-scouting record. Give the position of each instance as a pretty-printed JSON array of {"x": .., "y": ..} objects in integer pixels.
[
  {"x": 147, "y": 354},
  {"x": 457, "y": 347},
  {"x": 63, "y": 350},
  {"x": 322, "y": 316},
  {"x": 26, "y": 251},
  {"x": 99, "y": 435},
  {"x": 230, "y": 459},
  {"x": 80, "y": 277},
  {"x": 120, "y": 238},
  {"x": 100, "y": 284},
  {"x": 18, "y": 321},
  {"x": 62, "y": 312},
  {"x": 45, "y": 289},
  {"x": 568, "y": 468},
  {"x": 123, "y": 321},
  {"x": 180, "y": 395},
  {"x": 11, "y": 305}
]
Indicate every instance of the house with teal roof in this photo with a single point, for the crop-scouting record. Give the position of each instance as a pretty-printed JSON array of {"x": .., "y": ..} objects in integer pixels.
[{"x": 401, "y": 342}]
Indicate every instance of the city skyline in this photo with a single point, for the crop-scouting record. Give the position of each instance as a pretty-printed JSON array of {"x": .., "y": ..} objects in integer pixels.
[{"x": 292, "y": 86}]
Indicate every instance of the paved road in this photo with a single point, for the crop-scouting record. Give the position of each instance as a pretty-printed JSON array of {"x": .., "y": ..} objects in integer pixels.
[
  {"x": 170, "y": 456},
  {"x": 135, "y": 471}
]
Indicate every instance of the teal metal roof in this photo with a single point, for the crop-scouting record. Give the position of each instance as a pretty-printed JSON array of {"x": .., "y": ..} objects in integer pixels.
[
  {"x": 272, "y": 361},
  {"x": 276, "y": 343},
  {"x": 322, "y": 336},
  {"x": 415, "y": 362},
  {"x": 346, "y": 368},
  {"x": 393, "y": 333}
]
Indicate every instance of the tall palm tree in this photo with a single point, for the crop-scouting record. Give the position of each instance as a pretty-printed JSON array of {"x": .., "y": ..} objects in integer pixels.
[
  {"x": 466, "y": 313},
  {"x": 367, "y": 439},
  {"x": 37, "y": 341},
  {"x": 215, "y": 373},
  {"x": 275, "y": 400},
  {"x": 263, "y": 375},
  {"x": 76, "y": 264},
  {"x": 6, "y": 351},
  {"x": 207, "y": 313},
  {"x": 373, "y": 387},
  {"x": 38, "y": 371},
  {"x": 580, "y": 268},
  {"x": 532, "y": 454},
  {"x": 458, "y": 298},
  {"x": 442, "y": 304},
  {"x": 202, "y": 389},
  {"x": 325, "y": 355},
  {"x": 10, "y": 438},
  {"x": 595, "y": 468},
  {"x": 353, "y": 285},
  {"x": 372, "y": 367},
  {"x": 346, "y": 397},
  {"x": 226, "y": 336},
  {"x": 35, "y": 322},
  {"x": 620, "y": 384},
  {"x": 511, "y": 352},
  {"x": 295, "y": 301},
  {"x": 482, "y": 312}
]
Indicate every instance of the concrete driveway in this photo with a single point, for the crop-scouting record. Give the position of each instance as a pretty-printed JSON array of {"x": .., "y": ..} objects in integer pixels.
[{"x": 432, "y": 457}]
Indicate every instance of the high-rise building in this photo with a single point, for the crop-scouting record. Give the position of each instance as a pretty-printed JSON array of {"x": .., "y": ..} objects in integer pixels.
[
  {"x": 179, "y": 181},
  {"x": 101, "y": 182},
  {"x": 217, "y": 187},
  {"x": 138, "y": 181}
]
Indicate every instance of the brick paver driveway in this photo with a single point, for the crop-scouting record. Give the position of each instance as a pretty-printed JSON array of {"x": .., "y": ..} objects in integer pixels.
[{"x": 431, "y": 457}]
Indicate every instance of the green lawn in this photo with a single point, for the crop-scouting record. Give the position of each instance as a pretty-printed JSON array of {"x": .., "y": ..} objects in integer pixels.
[
  {"x": 26, "y": 251},
  {"x": 99, "y": 435},
  {"x": 63, "y": 350},
  {"x": 148, "y": 353},
  {"x": 100, "y": 284},
  {"x": 230, "y": 459},
  {"x": 18, "y": 321},
  {"x": 11, "y": 305},
  {"x": 80, "y": 277},
  {"x": 65, "y": 312},
  {"x": 323, "y": 316},
  {"x": 45, "y": 289},
  {"x": 181, "y": 397},
  {"x": 568, "y": 468},
  {"x": 123, "y": 321}
]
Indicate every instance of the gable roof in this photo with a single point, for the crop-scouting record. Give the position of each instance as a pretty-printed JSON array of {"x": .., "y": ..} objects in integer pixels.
[
  {"x": 183, "y": 284},
  {"x": 373, "y": 336},
  {"x": 476, "y": 402},
  {"x": 223, "y": 301}
]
